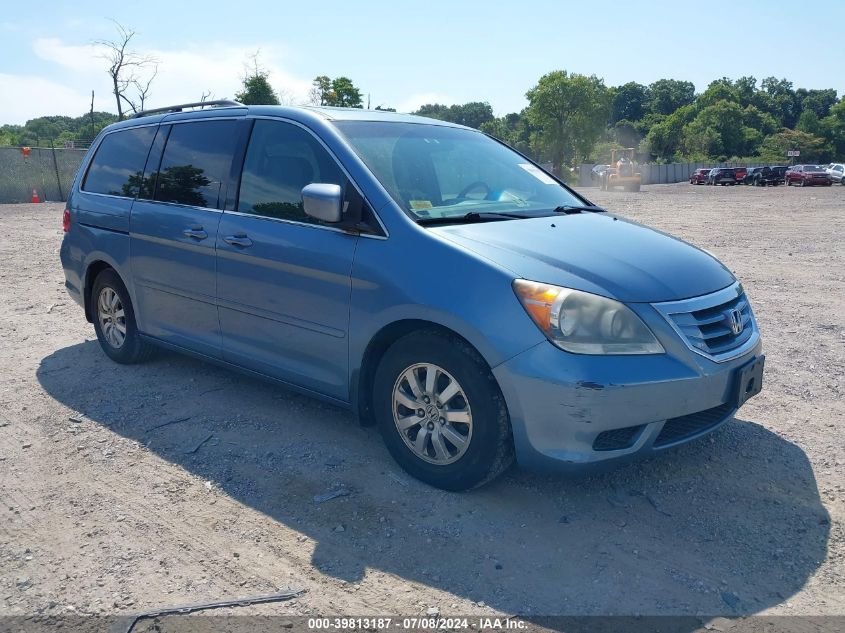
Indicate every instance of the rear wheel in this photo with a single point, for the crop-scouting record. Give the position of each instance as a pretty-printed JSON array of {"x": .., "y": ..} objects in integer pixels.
[
  {"x": 441, "y": 413},
  {"x": 114, "y": 320}
]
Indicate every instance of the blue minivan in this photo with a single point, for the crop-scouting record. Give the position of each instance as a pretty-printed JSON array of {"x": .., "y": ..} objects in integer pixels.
[{"x": 423, "y": 274}]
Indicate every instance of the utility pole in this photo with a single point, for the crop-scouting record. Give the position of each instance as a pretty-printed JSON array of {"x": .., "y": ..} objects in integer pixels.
[{"x": 92, "y": 116}]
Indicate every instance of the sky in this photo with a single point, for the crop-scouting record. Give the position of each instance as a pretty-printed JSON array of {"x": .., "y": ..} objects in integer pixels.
[{"x": 405, "y": 53}]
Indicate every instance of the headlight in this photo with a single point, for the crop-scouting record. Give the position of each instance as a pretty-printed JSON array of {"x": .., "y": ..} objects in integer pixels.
[{"x": 585, "y": 323}]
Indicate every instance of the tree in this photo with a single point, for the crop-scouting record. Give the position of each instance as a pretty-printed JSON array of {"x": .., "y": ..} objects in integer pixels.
[
  {"x": 472, "y": 114},
  {"x": 664, "y": 138},
  {"x": 124, "y": 65},
  {"x": 340, "y": 92},
  {"x": 667, "y": 95},
  {"x": 812, "y": 148},
  {"x": 568, "y": 114},
  {"x": 256, "y": 86},
  {"x": 809, "y": 122},
  {"x": 630, "y": 102},
  {"x": 780, "y": 100},
  {"x": 817, "y": 101},
  {"x": 834, "y": 127},
  {"x": 512, "y": 129},
  {"x": 346, "y": 95},
  {"x": 715, "y": 131},
  {"x": 321, "y": 88}
]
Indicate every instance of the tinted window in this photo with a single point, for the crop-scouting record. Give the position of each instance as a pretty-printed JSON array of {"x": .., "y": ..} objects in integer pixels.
[
  {"x": 195, "y": 165},
  {"x": 118, "y": 165},
  {"x": 280, "y": 160}
]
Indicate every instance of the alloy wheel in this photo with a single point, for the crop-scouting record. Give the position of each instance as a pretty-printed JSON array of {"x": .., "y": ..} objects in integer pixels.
[
  {"x": 112, "y": 317},
  {"x": 432, "y": 414}
]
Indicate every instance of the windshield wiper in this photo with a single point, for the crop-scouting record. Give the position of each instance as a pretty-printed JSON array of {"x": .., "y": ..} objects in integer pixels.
[
  {"x": 574, "y": 208},
  {"x": 472, "y": 216}
]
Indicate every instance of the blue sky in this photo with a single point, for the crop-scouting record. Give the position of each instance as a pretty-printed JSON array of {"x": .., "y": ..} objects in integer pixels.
[{"x": 407, "y": 53}]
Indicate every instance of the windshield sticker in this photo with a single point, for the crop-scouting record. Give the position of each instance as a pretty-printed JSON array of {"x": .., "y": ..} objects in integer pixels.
[
  {"x": 419, "y": 205},
  {"x": 538, "y": 173}
]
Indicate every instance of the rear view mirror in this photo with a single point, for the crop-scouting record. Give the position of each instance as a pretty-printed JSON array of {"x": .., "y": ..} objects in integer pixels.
[{"x": 323, "y": 201}]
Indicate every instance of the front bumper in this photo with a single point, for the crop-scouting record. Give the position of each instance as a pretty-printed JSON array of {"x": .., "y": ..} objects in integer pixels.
[{"x": 570, "y": 411}]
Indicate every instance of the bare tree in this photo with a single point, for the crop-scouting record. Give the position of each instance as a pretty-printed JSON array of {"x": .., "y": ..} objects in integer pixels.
[{"x": 124, "y": 67}]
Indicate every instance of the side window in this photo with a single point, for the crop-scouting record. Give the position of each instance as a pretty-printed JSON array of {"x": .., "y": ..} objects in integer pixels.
[
  {"x": 118, "y": 165},
  {"x": 280, "y": 160},
  {"x": 196, "y": 162}
]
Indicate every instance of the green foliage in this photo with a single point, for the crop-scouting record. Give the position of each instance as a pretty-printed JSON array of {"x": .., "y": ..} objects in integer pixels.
[
  {"x": 257, "y": 90},
  {"x": 512, "y": 128},
  {"x": 472, "y": 114},
  {"x": 630, "y": 102},
  {"x": 58, "y": 129},
  {"x": 568, "y": 114},
  {"x": 667, "y": 95},
  {"x": 716, "y": 130},
  {"x": 813, "y": 148},
  {"x": 339, "y": 92}
]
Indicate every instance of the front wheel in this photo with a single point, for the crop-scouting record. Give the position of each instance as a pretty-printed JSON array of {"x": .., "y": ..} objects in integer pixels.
[
  {"x": 114, "y": 320},
  {"x": 441, "y": 413}
]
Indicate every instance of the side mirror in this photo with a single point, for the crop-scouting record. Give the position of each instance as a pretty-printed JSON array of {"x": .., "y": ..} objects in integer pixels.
[{"x": 323, "y": 201}]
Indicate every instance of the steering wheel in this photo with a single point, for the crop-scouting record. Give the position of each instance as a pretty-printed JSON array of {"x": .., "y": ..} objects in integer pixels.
[{"x": 475, "y": 185}]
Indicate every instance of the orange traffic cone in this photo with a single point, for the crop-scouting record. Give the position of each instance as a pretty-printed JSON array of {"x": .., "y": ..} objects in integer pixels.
[{"x": 35, "y": 197}]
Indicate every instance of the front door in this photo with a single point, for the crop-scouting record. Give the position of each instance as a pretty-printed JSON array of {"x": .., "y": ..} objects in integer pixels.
[
  {"x": 173, "y": 229},
  {"x": 283, "y": 278}
]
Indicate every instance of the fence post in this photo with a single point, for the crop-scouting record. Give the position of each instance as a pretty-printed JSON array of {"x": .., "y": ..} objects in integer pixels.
[{"x": 56, "y": 168}]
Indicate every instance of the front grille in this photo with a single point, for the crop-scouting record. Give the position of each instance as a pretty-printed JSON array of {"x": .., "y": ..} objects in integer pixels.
[
  {"x": 616, "y": 439},
  {"x": 705, "y": 322},
  {"x": 686, "y": 426}
]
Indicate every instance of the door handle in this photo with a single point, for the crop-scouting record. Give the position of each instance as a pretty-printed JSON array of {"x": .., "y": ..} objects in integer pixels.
[
  {"x": 240, "y": 240},
  {"x": 195, "y": 232}
]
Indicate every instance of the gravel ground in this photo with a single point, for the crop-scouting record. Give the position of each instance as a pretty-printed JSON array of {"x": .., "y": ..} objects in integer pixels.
[{"x": 131, "y": 488}]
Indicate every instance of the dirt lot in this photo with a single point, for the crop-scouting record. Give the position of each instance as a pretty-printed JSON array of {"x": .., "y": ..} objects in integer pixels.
[{"x": 129, "y": 488}]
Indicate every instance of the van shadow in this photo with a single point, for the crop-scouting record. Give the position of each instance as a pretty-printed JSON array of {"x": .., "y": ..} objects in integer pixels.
[{"x": 731, "y": 524}]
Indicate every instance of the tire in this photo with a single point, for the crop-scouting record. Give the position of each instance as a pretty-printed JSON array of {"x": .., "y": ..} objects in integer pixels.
[
  {"x": 803, "y": 183},
  {"x": 112, "y": 311},
  {"x": 478, "y": 407}
]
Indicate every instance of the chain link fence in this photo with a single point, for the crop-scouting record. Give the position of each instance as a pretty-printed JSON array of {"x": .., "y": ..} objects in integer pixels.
[{"x": 47, "y": 170}]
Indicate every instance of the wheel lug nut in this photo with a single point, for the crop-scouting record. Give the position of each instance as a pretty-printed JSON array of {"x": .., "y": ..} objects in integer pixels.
[
  {"x": 442, "y": 421},
  {"x": 420, "y": 412},
  {"x": 426, "y": 399}
]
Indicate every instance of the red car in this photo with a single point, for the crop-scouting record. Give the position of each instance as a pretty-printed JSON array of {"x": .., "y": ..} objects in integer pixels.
[
  {"x": 699, "y": 176},
  {"x": 807, "y": 176},
  {"x": 740, "y": 172}
]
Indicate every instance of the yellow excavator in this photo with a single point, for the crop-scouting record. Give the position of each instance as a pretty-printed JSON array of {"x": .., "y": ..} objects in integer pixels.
[{"x": 622, "y": 171}]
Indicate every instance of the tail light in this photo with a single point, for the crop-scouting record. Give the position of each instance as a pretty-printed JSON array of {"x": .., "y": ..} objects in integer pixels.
[{"x": 66, "y": 220}]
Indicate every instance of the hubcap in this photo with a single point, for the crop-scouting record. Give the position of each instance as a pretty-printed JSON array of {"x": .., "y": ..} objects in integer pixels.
[
  {"x": 432, "y": 414},
  {"x": 112, "y": 317}
]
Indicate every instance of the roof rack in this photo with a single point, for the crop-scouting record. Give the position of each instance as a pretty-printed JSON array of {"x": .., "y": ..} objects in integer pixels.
[{"x": 181, "y": 106}]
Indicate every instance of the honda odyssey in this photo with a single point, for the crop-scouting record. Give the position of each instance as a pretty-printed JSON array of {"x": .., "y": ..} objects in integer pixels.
[{"x": 422, "y": 274}]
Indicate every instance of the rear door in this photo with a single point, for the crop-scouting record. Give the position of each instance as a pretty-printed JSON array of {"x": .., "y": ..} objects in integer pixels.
[
  {"x": 283, "y": 278},
  {"x": 173, "y": 229}
]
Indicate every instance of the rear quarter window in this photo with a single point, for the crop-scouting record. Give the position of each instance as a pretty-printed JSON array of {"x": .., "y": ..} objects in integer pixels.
[{"x": 118, "y": 166}]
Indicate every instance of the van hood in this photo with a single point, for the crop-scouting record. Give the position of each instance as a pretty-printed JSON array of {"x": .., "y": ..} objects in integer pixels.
[{"x": 597, "y": 253}]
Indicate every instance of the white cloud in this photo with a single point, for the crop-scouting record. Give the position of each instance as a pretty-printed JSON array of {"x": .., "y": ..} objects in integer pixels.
[
  {"x": 413, "y": 103},
  {"x": 184, "y": 75},
  {"x": 23, "y": 98}
]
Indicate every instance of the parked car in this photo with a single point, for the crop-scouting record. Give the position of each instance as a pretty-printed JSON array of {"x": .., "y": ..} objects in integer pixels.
[
  {"x": 721, "y": 176},
  {"x": 424, "y": 275},
  {"x": 807, "y": 176},
  {"x": 778, "y": 173},
  {"x": 699, "y": 176},
  {"x": 740, "y": 173},
  {"x": 836, "y": 172},
  {"x": 762, "y": 176}
]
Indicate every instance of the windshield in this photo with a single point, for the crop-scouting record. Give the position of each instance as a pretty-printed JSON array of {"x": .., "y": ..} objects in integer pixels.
[{"x": 435, "y": 171}]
